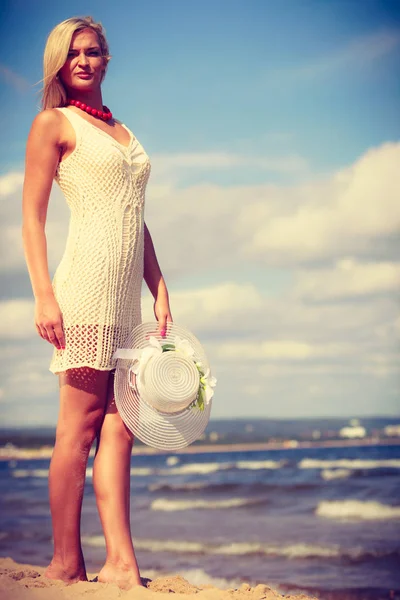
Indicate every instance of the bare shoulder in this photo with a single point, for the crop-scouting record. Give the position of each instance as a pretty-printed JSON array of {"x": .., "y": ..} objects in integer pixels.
[{"x": 48, "y": 123}]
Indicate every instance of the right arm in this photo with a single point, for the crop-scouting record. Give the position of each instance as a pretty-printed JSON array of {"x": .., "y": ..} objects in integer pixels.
[{"x": 42, "y": 156}]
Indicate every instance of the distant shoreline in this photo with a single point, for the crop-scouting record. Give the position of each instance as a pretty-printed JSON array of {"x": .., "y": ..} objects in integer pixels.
[{"x": 45, "y": 452}]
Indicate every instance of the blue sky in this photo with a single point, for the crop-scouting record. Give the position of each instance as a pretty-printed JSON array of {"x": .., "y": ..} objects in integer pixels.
[{"x": 273, "y": 129}]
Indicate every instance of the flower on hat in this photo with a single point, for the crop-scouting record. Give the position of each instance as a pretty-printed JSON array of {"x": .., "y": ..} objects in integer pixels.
[
  {"x": 206, "y": 392},
  {"x": 209, "y": 383},
  {"x": 183, "y": 346},
  {"x": 146, "y": 354}
]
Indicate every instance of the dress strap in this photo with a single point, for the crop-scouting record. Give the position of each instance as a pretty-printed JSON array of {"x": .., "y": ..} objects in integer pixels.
[
  {"x": 74, "y": 119},
  {"x": 76, "y": 123}
]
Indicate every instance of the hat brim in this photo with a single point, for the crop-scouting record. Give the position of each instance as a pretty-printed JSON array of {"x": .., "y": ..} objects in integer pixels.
[{"x": 159, "y": 430}]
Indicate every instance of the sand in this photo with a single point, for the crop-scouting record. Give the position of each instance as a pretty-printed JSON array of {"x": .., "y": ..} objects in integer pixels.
[{"x": 26, "y": 582}]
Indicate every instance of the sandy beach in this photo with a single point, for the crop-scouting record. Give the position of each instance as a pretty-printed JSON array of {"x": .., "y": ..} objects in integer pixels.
[{"x": 26, "y": 582}]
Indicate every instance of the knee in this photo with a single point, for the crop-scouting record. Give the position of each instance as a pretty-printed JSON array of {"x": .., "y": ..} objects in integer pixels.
[
  {"x": 115, "y": 431},
  {"x": 79, "y": 436}
]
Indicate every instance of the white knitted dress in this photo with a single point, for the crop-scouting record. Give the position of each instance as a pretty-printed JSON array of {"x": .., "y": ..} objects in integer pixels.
[{"x": 98, "y": 281}]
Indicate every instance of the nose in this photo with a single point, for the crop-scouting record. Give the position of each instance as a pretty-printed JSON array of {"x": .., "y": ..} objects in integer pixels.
[{"x": 83, "y": 59}]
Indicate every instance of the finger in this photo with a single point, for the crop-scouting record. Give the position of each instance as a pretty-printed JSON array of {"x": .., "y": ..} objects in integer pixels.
[
  {"x": 162, "y": 326},
  {"x": 51, "y": 336},
  {"x": 43, "y": 332},
  {"x": 59, "y": 336}
]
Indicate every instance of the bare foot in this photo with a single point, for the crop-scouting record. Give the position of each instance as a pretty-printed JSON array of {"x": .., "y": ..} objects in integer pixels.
[
  {"x": 57, "y": 571},
  {"x": 125, "y": 577}
]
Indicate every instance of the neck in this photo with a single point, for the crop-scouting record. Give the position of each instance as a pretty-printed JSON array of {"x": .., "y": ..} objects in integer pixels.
[{"x": 93, "y": 99}]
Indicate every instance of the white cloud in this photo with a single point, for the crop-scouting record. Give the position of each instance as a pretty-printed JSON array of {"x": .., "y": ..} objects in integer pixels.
[
  {"x": 327, "y": 218},
  {"x": 280, "y": 350},
  {"x": 219, "y": 306},
  {"x": 12, "y": 249},
  {"x": 11, "y": 183},
  {"x": 30, "y": 379},
  {"x": 341, "y": 216},
  {"x": 349, "y": 279},
  {"x": 17, "y": 319}
]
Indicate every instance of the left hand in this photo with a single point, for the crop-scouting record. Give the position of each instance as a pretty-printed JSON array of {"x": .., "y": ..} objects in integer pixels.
[{"x": 162, "y": 312}]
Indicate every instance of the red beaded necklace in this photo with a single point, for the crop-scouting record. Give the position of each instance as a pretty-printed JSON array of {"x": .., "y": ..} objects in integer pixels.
[{"x": 104, "y": 114}]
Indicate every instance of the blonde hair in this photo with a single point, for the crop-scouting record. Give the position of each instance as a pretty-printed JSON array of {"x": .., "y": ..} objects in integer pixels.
[{"x": 56, "y": 53}]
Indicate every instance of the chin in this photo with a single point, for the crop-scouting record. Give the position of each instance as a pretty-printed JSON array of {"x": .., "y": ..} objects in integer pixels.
[{"x": 83, "y": 86}]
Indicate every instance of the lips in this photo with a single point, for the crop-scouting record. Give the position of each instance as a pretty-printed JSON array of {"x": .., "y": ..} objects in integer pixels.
[{"x": 84, "y": 75}]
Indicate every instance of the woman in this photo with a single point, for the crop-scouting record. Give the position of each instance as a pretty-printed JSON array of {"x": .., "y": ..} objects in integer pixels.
[{"x": 93, "y": 301}]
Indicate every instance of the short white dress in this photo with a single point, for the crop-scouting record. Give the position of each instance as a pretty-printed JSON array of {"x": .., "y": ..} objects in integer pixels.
[{"x": 98, "y": 281}]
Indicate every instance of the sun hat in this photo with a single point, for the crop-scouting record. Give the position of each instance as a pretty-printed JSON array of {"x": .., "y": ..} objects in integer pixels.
[{"x": 163, "y": 386}]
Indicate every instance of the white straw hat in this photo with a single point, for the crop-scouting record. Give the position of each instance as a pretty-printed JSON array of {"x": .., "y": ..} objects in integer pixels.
[{"x": 163, "y": 387}]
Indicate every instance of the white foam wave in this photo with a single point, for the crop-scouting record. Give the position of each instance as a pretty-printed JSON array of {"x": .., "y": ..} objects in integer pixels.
[
  {"x": 188, "y": 469},
  {"x": 183, "y": 547},
  {"x": 97, "y": 541},
  {"x": 208, "y": 468},
  {"x": 347, "y": 463},
  {"x": 290, "y": 551},
  {"x": 197, "y": 468},
  {"x": 175, "y": 505},
  {"x": 329, "y": 474},
  {"x": 142, "y": 471},
  {"x": 183, "y": 487},
  {"x": 21, "y": 473},
  {"x": 259, "y": 464},
  {"x": 233, "y": 549},
  {"x": 200, "y": 578},
  {"x": 368, "y": 510},
  {"x": 40, "y": 473}
]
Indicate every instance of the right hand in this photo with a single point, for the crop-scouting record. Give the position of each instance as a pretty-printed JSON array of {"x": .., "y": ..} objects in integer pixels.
[{"x": 49, "y": 321}]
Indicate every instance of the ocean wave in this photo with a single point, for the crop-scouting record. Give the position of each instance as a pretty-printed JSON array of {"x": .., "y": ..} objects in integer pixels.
[
  {"x": 233, "y": 549},
  {"x": 184, "y": 487},
  {"x": 175, "y": 505},
  {"x": 142, "y": 471},
  {"x": 200, "y": 578},
  {"x": 367, "y": 510},
  {"x": 206, "y": 468},
  {"x": 329, "y": 474},
  {"x": 290, "y": 551},
  {"x": 348, "y": 463},
  {"x": 256, "y": 465},
  {"x": 231, "y": 487},
  {"x": 188, "y": 469},
  {"x": 22, "y": 473},
  {"x": 40, "y": 473},
  {"x": 196, "y": 469}
]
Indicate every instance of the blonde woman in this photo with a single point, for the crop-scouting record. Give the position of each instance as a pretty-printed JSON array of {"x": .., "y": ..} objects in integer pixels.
[{"x": 93, "y": 301}]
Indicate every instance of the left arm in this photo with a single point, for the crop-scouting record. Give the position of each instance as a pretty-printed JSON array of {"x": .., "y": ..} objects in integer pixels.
[{"x": 156, "y": 283}]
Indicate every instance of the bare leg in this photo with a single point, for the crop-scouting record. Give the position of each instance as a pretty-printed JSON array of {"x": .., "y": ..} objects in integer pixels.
[
  {"x": 82, "y": 402},
  {"x": 111, "y": 481}
]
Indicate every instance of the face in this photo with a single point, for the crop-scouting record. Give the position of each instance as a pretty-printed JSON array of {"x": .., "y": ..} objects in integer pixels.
[{"x": 84, "y": 66}]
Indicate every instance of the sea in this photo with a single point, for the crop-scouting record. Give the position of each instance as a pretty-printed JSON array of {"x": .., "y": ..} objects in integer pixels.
[{"x": 324, "y": 521}]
